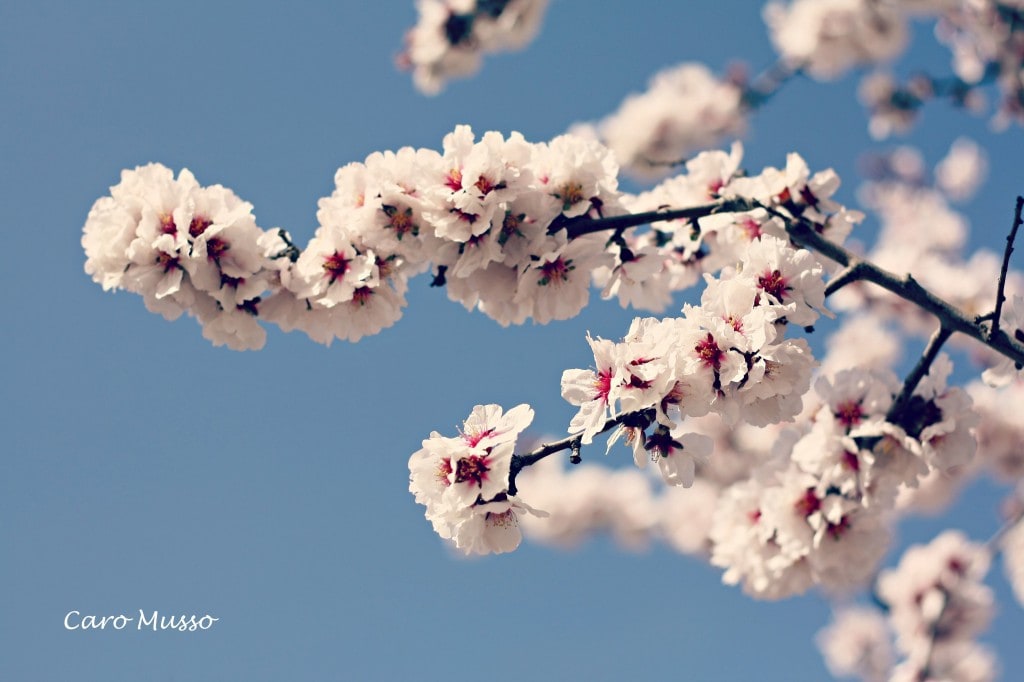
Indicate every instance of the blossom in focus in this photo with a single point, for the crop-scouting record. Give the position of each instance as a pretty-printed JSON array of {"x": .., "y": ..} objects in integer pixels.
[
  {"x": 463, "y": 481},
  {"x": 183, "y": 248}
]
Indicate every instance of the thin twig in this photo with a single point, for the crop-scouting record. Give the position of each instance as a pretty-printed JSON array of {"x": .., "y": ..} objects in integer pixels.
[
  {"x": 1001, "y": 289},
  {"x": 768, "y": 82},
  {"x": 520, "y": 462},
  {"x": 847, "y": 275},
  {"x": 1015, "y": 517},
  {"x": 931, "y": 352}
]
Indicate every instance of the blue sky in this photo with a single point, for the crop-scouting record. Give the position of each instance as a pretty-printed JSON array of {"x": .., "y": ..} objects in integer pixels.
[{"x": 144, "y": 469}]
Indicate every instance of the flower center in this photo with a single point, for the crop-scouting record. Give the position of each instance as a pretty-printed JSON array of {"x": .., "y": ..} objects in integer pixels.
[
  {"x": 167, "y": 225},
  {"x": 484, "y": 184},
  {"x": 215, "y": 248},
  {"x": 454, "y": 180},
  {"x": 362, "y": 296},
  {"x": 709, "y": 352},
  {"x": 773, "y": 283},
  {"x": 808, "y": 504},
  {"x": 400, "y": 221},
  {"x": 570, "y": 194},
  {"x": 168, "y": 261},
  {"x": 510, "y": 226},
  {"x": 603, "y": 384},
  {"x": 849, "y": 413},
  {"x": 556, "y": 271},
  {"x": 472, "y": 470},
  {"x": 198, "y": 225},
  {"x": 336, "y": 265}
]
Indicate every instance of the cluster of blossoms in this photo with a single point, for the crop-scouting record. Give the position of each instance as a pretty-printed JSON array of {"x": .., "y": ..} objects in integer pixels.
[
  {"x": 650, "y": 265},
  {"x": 684, "y": 109},
  {"x": 501, "y": 222},
  {"x": 729, "y": 356},
  {"x": 463, "y": 481},
  {"x": 987, "y": 41},
  {"x": 828, "y": 37},
  {"x": 936, "y": 604},
  {"x": 985, "y": 37},
  {"x": 184, "y": 248},
  {"x": 481, "y": 213},
  {"x": 451, "y": 36},
  {"x": 817, "y": 511}
]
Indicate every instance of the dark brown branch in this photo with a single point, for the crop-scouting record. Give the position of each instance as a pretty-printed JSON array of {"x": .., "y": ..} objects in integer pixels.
[
  {"x": 907, "y": 288},
  {"x": 847, "y": 275},
  {"x": 931, "y": 352},
  {"x": 577, "y": 227},
  {"x": 804, "y": 234},
  {"x": 641, "y": 418},
  {"x": 1001, "y": 289}
]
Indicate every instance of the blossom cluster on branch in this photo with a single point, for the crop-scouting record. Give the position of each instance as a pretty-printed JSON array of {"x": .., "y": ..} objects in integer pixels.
[
  {"x": 687, "y": 108},
  {"x": 786, "y": 471}
]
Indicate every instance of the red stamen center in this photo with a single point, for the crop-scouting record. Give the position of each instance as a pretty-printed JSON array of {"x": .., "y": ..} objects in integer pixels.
[
  {"x": 167, "y": 225},
  {"x": 709, "y": 352},
  {"x": 849, "y": 413},
  {"x": 215, "y": 248},
  {"x": 555, "y": 271},
  {"x": 336, "y": 265},
  {"x": 472, "y": 470},
  {"x": 773, "y": 283},
  {"x": 808, "y": 504},
  {"x": 454, "y": 180},
  {"x": 198, "y": 225}
]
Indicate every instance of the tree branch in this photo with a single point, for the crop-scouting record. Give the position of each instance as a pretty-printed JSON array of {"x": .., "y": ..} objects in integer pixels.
[
  {"x": 1000, "y": 289},
  {"x": 931, "y": 352},
  {"x": 848, "y": 275},
  {"x": 769, "y": 82},
  {"x": 520, "y": 462},
  {"x": 805, "y": 235},
  {"x": 582, "y": 225},
  {"x": 905, "y": 287}
]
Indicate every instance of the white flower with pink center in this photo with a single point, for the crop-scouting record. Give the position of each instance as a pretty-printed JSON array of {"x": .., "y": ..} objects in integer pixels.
[
  {"x": 331, "y": 269},
  {"x": 464, "y": 480},
  {"x": 578, "y": 175},
  {"x": 787, "y": 280},
  {"x": 225, "y": 260},
  {"x": 492, "y": 527},
  {"x": 778, "y": 376},
  {"x": 941, "y": 419},
  {"x": 556, "y": 285},
  {"x": 590, "y": 390}
]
